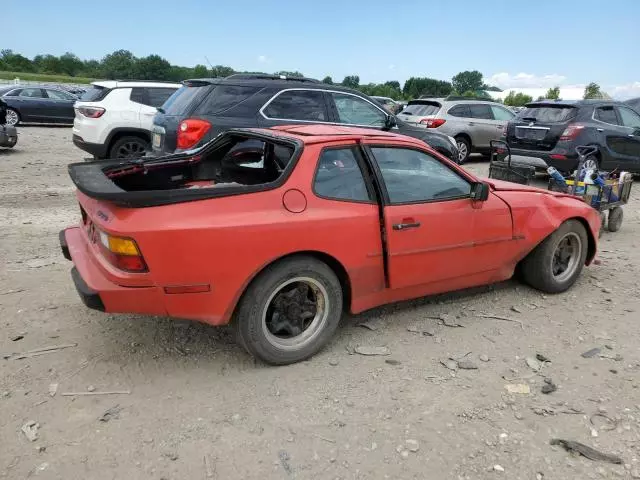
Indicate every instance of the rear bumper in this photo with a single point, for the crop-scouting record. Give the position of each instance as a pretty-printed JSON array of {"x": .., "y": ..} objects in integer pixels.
[
  {"x": 96, "y": 290},
  {"x": 566, "y": 164},
  {"x": 98, "y": 150}
]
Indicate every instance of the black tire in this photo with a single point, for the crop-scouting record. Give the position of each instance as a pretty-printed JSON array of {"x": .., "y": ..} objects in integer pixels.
[
  {"x": 252, "y": 327},
  {"x": 615, "y": 219},
  {"x": 10, "y": 113},
  {"x": 128, "y": 147},
  {"x": 538, "y": 266},
  {"x": 464, "y": 149}
]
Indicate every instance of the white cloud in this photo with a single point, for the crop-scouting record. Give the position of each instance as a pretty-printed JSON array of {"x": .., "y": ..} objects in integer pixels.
[
  {"x": 505, "y": 80},
  {"x": 263, "y": 59},
  {"x": 622, "y": 92}
]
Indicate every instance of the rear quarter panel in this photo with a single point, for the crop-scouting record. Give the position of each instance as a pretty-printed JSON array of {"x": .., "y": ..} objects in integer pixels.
[
  {"x": 536, "y": 215},
  {"x": 226, "y": 242}
]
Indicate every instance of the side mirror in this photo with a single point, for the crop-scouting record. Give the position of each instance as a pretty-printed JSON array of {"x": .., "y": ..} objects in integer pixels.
[
  {"x": 390, "y": 122},
  {"x": 480, "y": 192}
]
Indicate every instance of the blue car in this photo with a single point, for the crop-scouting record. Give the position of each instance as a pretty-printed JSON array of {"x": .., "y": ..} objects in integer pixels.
[{"x": 37, "y": 104}]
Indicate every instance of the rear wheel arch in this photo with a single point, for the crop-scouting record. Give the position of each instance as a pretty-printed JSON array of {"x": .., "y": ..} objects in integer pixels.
[
  {"x": 333, "y": 263},
  {"x": 116, "y": 135},
  {"x": 466, "y": 137},
  {"x": 591, "y": 245}
]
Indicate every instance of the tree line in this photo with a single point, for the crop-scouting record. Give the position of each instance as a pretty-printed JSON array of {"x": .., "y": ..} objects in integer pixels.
[{"x": 124, "y": 65}]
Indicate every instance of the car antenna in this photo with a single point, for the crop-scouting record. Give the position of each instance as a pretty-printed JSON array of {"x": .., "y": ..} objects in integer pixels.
[{"x": 210, "y": 66}]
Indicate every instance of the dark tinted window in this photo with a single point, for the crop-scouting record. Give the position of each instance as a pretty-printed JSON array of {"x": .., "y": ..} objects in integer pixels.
[
  {"x": 339, "y": 176},
  {"x": 94, "y": 94},
  {"x": 58, "y": 95},
  {"x": 183, "y": 98},
  {"x": 153, "y": 97},
  {"x": 298, "y": 105},
  {"x": 354, "y": 110},
  {"x": 633, "y": 103},
  {"x": 629, "y": 118},
  {"x": 414, "y": 176},
  {"x": 31, "y": 93},
  {"x": 481, "y": 111},
  {"x": 548, "y": 113},
  {"x": 14, "y": 93},
  {"x": 607, "y": 115},
  {"x": 223, "y": 97},
  {"x": 421, "y": 109},
  {"x": 460, "y": 111}
]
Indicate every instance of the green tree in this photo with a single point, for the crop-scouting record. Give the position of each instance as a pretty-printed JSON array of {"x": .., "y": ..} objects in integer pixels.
[
  {"x": 470, "y": 93},
  {"x": 415, "y": 87},
  {"x": 15, "y": 62},
  {"x": 153, "y": 67},
  {"x": 514, "y": 99},
  {"x": 119, "y": 65},
  {"x": 91, "y": 68},
  {"x": 592, "y": 91},
  {"x": 393, "y": 84},
  {"x": 328, "y": 80},
  {"x": 467, "y": 81},
  {"x": 47, "y": 64},
  {"x": 553, "y": 93},
  {"x": 351, "y": 81},
  {"x": 221, "y": 71},
  {"x": 200, "y": 71}
]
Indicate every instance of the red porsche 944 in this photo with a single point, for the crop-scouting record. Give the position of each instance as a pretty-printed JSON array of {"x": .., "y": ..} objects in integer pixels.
[{"x": 280, "y": 231}]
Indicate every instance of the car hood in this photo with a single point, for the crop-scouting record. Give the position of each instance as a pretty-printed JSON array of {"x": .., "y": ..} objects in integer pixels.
[{"x": 501, "y": 185}]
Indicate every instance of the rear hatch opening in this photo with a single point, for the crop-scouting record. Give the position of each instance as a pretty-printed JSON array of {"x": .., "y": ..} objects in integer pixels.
[
  {"x": 417, "y": 110},
  {"x": 234, "y": 163},
  {"x": 540, "y": 125}
]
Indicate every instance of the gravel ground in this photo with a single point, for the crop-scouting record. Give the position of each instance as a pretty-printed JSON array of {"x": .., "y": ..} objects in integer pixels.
[{"x": 200, "y": 408}]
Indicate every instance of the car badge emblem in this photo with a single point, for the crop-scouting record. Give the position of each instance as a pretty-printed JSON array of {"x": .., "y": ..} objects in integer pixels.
[{"x": 531, "y": 124}]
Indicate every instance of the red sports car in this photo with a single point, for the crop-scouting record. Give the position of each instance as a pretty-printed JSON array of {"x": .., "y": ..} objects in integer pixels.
[{"x": 279, "y": 231}]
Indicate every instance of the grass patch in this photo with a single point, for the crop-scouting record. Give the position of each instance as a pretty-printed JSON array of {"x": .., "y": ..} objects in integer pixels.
[{"x": 41, "y": 77}]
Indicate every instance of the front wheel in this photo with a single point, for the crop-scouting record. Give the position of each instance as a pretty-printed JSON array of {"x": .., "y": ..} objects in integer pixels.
[
  {"x": 555, "y": 264},
  {"x": 464, "y": 149},
  {"x": 290, "y": 311},
  {"x": 13, "y": 117}
]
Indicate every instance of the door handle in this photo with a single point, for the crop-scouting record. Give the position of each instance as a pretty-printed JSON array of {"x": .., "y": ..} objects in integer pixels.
[
  {"x": 600, "y": 129},
  {"x": 405, "y": 226},
  {"x": 499, "y": 126}
]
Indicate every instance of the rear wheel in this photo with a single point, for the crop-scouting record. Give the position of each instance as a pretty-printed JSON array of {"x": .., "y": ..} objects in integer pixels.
[
  {"x": 615, "y": 219},
  {"x": 555, "y": 264},
  {"x": 13, "y": 117},
  {"x": 290, "y": 311},
  {"x": 464, "y": 149},
  {"x": 128, "y": 147},
  {"x": 591, "y": 163}
]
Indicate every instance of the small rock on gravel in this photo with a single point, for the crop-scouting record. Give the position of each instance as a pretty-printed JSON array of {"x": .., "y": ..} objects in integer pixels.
[
  {"x": 30, "y": 430},
  {"x": 450, "y": 364},
  {"x": 533, "y": 364},
  {"x": 333, "y": 362},
  {"x": 392, "y": 361},
  {"x": 522, "y": 388},
  {"x": 370, "y": 351},
  {"x": 467, "y": 365},
  {"x": 412, "y": 445},
  {"x": 91, "y": 388},
  {"x": 484, "y": 358},
  {"x": 498, "y": 468},
  {"x": 516, "y": 309},
  {"x": 591, "y": 353}
]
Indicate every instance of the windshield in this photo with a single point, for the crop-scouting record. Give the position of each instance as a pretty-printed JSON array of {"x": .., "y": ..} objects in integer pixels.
[
  {"x": 548, "y": 113},
  {"x": 94, "y": 94},
  {"x": 421, "y": 109}
]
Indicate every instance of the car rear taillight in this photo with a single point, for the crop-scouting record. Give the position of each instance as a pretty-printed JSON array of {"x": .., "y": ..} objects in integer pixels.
[
  {"x": 191, "y": 131},
  {"x": 571, "y": 132},
  {"x": 91, "y": 112},
  {"x": 432, "y": 122},
  {"x": 122, "y": 253}
]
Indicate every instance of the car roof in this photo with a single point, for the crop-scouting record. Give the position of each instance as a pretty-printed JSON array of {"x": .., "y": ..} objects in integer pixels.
[
  {"x": 111, "y": 84},
  {"x": 321, "y": 133},
  {"x": 574, "y": 103},
  {"x": 271, "y": 81}
]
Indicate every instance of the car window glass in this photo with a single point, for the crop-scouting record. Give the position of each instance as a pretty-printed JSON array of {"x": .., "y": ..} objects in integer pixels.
[
  {"x": 339, "y": 176},
  {"x": 481, "y": 111},
  {"x": 460, "y": 111},
  {"x": 354, "y": 110},
  {"x": 607, "y": 115},
  {"x": 500, "y": 113},
  {"x": 14, "y": 93},
  {"x": 421, "y": 109},
  {"x": 57, "y": 95},
  {"x": 31, "y": 93},
  {"x": 629, "y": 117},
  {"x": 223, "y": 97},
  {"x": 306, "y": 105},
  {"x": 157, "y": 96},
  {"x": 414, "y": 176}
]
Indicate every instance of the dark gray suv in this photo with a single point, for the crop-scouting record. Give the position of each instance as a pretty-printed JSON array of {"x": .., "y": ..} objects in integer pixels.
[{"x": 201, "y": 109}]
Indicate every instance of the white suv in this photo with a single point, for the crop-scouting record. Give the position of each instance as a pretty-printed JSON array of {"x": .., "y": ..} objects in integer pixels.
[{"x": 113, "y": 118}]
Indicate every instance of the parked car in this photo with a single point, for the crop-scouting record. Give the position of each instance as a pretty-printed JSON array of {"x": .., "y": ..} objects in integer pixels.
[
  {"x": 8, "y": 133},
  {"x": 265, "y": 237},
  {"x": 113, "y": 118},
  {"x": 203, "y": 108},
  {"x": 547, "y": 132},
  {"x": 634, "y": 103},
  {"x": 473, "y": 123},
  {"x": 389, "y": 104},
  {"x": 35, "y": 104}
]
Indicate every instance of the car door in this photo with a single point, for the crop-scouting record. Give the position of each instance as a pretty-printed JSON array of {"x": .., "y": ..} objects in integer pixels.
[
  {"x": 30, "y": 104},
  {"x": 59, "y": 106},
  {"x": 613, "y": 137},
  {"x": 350, "y": 109},
  {"x": 295, "y": 105},
  {"x": 482, "y": 125},
  {"x": 631, "y": 123},
  {"x": 434, "y": 231}
]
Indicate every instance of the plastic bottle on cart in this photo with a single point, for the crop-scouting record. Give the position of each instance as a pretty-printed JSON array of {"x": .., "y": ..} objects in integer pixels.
[{"x": 556, "y": 175}]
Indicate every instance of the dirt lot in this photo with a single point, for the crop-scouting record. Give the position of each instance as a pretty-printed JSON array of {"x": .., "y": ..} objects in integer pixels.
[{"x": 200, "y": 408}]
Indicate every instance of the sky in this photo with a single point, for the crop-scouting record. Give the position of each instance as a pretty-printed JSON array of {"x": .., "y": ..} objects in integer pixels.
[{"x": 513, "y": 43}]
